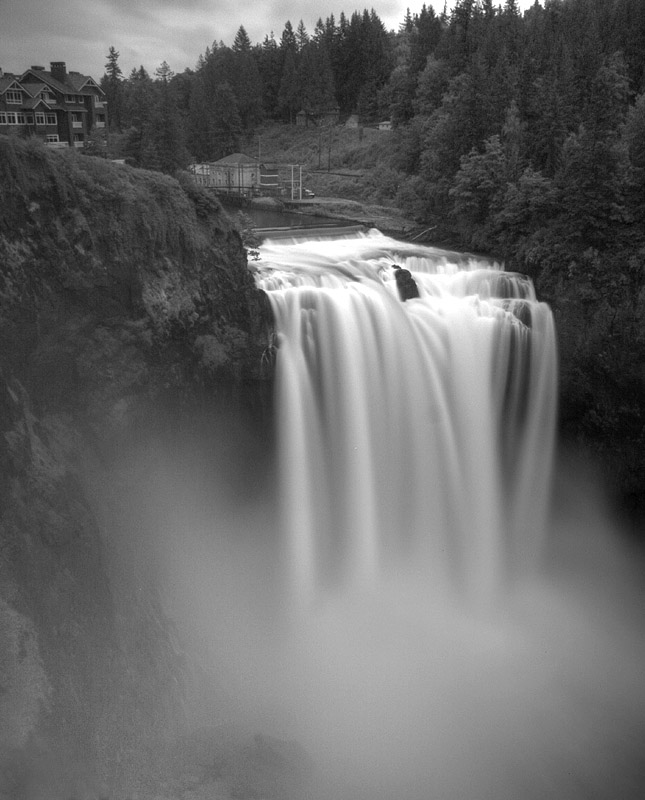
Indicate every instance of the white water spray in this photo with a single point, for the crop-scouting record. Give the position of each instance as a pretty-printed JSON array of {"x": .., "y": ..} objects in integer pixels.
[
  {"x": 441, "y": 640},
  {"x": 415, "y": 434}
]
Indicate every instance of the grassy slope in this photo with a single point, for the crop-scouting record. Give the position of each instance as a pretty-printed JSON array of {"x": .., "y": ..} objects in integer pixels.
[{"x": 346, "y": 164}]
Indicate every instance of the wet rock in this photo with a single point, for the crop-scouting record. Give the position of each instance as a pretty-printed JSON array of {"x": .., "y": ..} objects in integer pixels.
[{"x": 405, "y": 283}]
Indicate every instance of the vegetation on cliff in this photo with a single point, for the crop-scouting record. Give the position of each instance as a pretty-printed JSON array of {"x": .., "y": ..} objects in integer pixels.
[
  {"x": 123, "y": 293},
  {"x": 517, "y": 134}
]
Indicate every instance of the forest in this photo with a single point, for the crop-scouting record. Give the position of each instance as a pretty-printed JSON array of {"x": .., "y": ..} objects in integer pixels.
[{"x": 517, "y": 135}]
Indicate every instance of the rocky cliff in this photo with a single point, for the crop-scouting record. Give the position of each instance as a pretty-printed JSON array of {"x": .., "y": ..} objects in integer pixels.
[{"x": 124, "y": 296}]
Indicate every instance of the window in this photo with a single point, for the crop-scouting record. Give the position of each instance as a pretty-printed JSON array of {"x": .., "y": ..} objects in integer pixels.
[
  {"x": 40, "y": 118},
  {"x": 14, "y": 96},
  {"x": 51, "y": 119},
  {"x": 20, "y": 118},
  {"x": 11, "y": 118},
  {"x": 52, "y": 137},
  {"x": 30, "y": 119},
  {"x": 3, "y": 118},
  {"x": 77, "y": 120}
]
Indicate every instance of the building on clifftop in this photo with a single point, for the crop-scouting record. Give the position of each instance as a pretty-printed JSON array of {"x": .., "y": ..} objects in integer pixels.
[{"x": 62, "y": 108}]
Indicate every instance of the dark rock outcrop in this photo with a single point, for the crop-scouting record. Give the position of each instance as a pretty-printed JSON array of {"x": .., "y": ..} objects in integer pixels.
[
  {"x": 124, "y": 295},
  {"x": 405, "y": 284}
]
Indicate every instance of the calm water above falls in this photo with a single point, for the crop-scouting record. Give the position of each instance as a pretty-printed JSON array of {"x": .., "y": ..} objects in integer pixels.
[{"x": 446, "y": 634}]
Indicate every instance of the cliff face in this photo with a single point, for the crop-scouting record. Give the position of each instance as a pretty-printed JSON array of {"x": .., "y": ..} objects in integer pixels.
[{"x": 123, "y": 294}]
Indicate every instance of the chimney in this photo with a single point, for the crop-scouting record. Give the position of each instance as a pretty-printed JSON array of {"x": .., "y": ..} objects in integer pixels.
[
  {"x": 59, "y": 71},
  {"x": 36, "y": 67}
]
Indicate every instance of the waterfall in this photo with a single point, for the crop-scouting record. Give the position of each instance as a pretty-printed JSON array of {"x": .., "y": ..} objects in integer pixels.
[
  {"x": 442, "y": 632},
  {"x": 415, "y": 435}
]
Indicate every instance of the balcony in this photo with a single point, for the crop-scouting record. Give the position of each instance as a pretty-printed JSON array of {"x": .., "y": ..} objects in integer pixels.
[
  {"x": 77, "y": 123},
  {"x": 99, "y": 124}
]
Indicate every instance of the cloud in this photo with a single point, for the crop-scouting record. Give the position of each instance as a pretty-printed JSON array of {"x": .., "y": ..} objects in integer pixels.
[
  {"x": 80, "y": 32},
  {"x": 147, "y": 32}
]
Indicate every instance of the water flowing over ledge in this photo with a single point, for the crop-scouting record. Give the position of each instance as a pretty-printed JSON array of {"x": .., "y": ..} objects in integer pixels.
[
  {"x": 443, "y": 635},
  {"x": 415, "y": 434}
]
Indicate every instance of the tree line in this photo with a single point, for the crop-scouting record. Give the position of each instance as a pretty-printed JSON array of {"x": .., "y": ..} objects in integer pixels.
[
  {"x": 518, "y": 134},
  {"x": 203, "y": 113}
]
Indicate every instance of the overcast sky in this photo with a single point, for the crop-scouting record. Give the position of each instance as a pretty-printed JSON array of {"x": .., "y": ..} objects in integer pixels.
[{"x": 147, "y": 32}]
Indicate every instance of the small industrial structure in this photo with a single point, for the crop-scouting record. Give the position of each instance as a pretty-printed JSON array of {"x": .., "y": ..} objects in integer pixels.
[
  {"x": 245, "y": 176},
  {"x": 62, "y": 108}
]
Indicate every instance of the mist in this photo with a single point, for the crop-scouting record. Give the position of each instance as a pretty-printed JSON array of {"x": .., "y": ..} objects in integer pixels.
[
  {"x": 405, "y": 582},
  {"x": 403, "y": 691}
]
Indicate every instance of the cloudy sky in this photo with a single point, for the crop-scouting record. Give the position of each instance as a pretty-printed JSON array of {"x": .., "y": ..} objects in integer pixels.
[{"x": 148, "y": 32}]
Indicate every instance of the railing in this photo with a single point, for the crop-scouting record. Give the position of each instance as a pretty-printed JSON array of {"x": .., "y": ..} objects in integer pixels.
[{"x": 77, "y": 123}]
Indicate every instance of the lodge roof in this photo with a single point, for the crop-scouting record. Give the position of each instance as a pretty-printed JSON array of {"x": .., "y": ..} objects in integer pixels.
[
  {"x": 74, "y": 82},
  {"x": 6, "y": 81}
]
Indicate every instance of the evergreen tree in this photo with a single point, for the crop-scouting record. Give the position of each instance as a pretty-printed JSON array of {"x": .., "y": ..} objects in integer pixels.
[
  {"x": 140, "y": 100},
  {"x": 245, "y": 81},
  {"x": 288, "y": 94},
  {"x": 112, "y": 85},
  {"x": 315, "y": 81},
  {"x": 241, "y": 43},
  {"x": 288, "y": 40},
  {"x": 302, "y": 37},
  {"x": 168, "y": 135},
  {"x": 270, "y": 68},
  {"x": 227, "y": 122}
]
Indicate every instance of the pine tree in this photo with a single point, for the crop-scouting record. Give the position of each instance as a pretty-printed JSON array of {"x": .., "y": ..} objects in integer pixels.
[
  {"x": 245, "y": 81},
  {"x": 241, "y": 43},
  {"x": 111, "y": 83},
  {"x": 288, "y": 94},
  {"x": 270, "y": 68},
  {"x": 315, "y": 81},
  {"x": 302, "y": 37},
  {"x": 227, "y": 123}
]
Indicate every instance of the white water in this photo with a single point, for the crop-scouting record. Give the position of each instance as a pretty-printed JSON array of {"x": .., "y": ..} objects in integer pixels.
[
  {"x": 446, "y": 635},
  {"x": 414, "y": 434}
]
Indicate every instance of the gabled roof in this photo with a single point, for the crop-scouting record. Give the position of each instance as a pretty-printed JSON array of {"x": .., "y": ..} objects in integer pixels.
[
  {"x": 80, "y": 82},
  {"x": 236, "y": 158},
  {"x": 45, "y": 77},
  {"x": 35, "y": 88},
  {"x": 74, "y": 83},
  {"x": 34, "y": 102},
  {"x": 9, "y": 81}
]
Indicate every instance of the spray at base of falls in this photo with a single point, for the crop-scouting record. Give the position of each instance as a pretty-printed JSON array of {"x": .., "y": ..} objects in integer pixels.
[{"x": 440, "y": 639}]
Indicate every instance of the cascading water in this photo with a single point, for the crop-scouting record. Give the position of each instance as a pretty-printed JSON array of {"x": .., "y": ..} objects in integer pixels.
[
  {"x": 414, "y": 434},
  {"x": 440, "y": 640}
]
